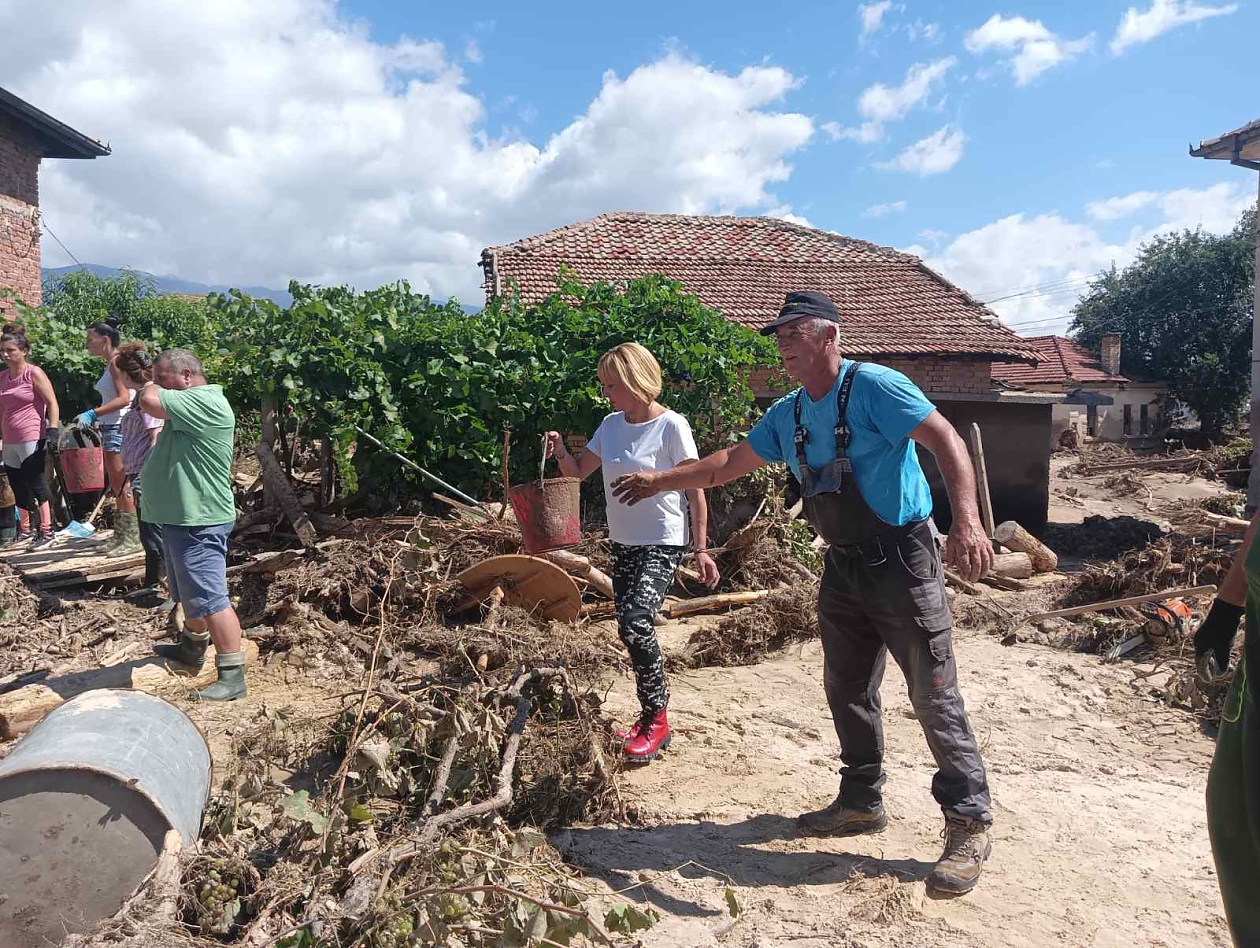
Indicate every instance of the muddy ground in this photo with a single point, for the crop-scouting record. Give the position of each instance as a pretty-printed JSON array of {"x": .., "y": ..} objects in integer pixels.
[{"x": 1098, "y": 784}]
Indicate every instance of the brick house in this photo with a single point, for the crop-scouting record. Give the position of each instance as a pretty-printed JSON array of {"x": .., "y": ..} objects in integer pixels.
[
  {"x": 1099, "y": 402},
  {"x": 28, "y": 135},
  {"x": 894, "y": 310}
]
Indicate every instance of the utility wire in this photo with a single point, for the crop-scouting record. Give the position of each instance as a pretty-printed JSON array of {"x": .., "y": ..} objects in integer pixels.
[{"x": 44, "y": 221}]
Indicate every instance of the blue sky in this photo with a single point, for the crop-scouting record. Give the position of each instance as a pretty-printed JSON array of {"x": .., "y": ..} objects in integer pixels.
[{"x": 1013, "y": 147}]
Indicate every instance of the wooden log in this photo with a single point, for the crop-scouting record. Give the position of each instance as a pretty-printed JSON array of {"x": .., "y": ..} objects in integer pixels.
[
  {"x": 982, "y": 479},
  {"x": 957, "y": 581},
  {"x": 578, "y": 565},
  {"x": 22, "y": 709},
  {"x": 1012, "y": 536},
  {"x": 278, "y": 489},
  {"x": 1001, "y": 582},
  {"x": 1220, "y": 520},
  {"x": 1012, "y": 565},
  {"x": 714, "y": 603}
]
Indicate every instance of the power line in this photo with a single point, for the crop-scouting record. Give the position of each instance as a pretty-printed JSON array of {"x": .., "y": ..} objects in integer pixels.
[{"x": 44, "y": 221}]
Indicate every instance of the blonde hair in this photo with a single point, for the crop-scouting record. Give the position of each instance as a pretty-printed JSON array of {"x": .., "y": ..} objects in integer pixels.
[{"x": 634, "y": 367}]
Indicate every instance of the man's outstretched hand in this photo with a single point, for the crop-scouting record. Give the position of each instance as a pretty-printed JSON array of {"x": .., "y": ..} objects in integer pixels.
[
  {"x": 632, "y": 488},
  {"x": 968, "y": 549}
]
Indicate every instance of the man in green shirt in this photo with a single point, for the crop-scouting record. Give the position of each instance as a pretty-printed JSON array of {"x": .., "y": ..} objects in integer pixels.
[{"x": 188, "y": 491}]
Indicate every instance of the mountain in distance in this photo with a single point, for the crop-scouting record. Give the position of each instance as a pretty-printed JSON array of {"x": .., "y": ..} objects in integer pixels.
[{"x": 171, "y": 284}]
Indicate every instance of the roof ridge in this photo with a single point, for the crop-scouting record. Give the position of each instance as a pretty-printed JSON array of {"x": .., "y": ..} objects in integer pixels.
[{"x": 537, "y": 241}]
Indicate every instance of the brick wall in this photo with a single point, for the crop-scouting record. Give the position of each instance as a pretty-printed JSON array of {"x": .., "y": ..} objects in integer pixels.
[
  {"x": 19, "y": 210},
  {"x": 930, "y": 374}
]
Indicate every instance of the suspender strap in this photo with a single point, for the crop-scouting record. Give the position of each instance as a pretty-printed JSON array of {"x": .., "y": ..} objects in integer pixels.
[{"x": 843, "y": 435}]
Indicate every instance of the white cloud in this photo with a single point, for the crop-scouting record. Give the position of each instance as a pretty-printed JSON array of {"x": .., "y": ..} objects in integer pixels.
[
  {"x": 932, "y": 236},
  {"x": 881, "y": 103},
  {"x": 865, "y": 133},
  {"x": 258, "y": 142},
  {"x": 472, "y": 52},
  {"x": 1041, "y": 264},
  {"x": 1164, "y": 15},
  {"x": 935, "y": 154},
  {"x": 882, "y": 210},
  {"x": 1036, "y": 49},
  {"x": 872, "y": 15},
  {"x": 928, "y": 32},
  {"x": 1116, "y": 207}
]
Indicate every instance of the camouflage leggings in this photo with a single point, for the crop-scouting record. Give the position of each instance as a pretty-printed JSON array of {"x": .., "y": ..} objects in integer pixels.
[{"x": 641, "y": 576}]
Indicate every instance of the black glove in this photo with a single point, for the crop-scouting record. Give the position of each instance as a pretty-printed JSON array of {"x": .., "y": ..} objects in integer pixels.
[
  {"x": 53, "y": 438},
  {"x": 1215, "y": 634}
]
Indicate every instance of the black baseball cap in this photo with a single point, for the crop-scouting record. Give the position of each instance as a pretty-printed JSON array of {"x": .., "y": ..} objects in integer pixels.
[{"x": 802, "y": 305}]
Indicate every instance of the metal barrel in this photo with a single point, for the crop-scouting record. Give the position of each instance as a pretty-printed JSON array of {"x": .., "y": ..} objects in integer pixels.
[{"x": 86, "y": 798}]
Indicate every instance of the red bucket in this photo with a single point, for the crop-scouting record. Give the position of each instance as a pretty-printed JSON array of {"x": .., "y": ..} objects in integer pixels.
[
  {"x": 83, "y": 467},
  {"x": 549, "y": 513}
]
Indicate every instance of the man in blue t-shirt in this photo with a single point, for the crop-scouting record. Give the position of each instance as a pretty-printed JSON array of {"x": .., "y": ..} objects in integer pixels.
[{"x": 849, "y": 434}]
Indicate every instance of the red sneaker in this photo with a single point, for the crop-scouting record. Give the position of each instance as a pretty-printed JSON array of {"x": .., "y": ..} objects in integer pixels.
[{"x": 652, "y": 738}]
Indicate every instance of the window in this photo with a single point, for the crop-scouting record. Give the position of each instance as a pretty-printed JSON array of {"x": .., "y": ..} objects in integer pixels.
[
  {"x": 1091, "y": 420},
  {"x": 1144, "y": 421},
  {"x": 1128, "y": 421}
]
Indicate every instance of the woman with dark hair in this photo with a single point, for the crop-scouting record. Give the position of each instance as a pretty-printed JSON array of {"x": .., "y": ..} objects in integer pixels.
[
  {"x": 102, "y": 342},
  {"x": 139, "y": 434},
  {"x": 29, "y": 415}
]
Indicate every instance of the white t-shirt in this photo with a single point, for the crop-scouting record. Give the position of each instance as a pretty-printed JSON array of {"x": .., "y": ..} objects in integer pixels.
[{"x": 656, "y": 445}]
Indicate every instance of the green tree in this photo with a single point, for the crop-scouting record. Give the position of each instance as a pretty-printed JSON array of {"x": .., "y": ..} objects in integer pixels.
[
  {"x": 58, "y": 328},
  {"x": 1183, "y": 309}
]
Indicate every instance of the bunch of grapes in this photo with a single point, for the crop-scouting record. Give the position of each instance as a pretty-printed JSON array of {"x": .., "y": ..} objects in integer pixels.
[
  {"x": 396, "y": 932},
  {"x": 219, "y": 887}
]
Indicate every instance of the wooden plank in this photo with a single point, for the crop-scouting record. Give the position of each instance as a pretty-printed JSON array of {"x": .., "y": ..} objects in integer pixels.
[
  {"x": 982, "y": 479},
  {"x": 279, "y": 490},
  {"x": 70, "y": 562}
]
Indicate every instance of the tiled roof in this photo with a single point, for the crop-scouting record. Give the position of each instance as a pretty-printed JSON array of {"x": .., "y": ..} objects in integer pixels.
[
  {"x": 889, "y": 302},
  {"x": 1063, "y": 362}
]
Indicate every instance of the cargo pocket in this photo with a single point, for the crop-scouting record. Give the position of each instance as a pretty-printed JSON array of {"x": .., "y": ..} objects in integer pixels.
[{"x": 920, "y": 569}]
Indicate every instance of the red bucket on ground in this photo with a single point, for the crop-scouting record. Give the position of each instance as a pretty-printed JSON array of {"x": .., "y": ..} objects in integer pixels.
[
  {"x": 83, "y": 470},
  {"x": 548, "y": 513}
]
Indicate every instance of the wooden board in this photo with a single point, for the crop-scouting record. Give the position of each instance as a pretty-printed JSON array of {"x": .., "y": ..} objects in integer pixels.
[
  {"x": 70, "y": 562},
  {"x": 529, "y": 582}
]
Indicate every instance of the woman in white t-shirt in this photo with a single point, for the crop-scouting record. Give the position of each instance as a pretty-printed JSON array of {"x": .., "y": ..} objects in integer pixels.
[{"x": 650, "y": 538}]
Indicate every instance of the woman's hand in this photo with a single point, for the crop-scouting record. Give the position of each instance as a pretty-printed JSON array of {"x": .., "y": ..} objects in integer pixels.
[
  {"x": 555, "y": 445},
  {"x": 707, "y": 567}
]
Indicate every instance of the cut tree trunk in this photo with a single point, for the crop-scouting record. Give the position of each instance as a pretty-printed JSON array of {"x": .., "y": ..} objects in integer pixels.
[
  {"x": 1014, "y": 537},
  {"x": 598, "y": 580},
  {"x": 279, "y": 490},
  {"x": 22, "y": 709},
  {"x": 1012, "y": 565}
]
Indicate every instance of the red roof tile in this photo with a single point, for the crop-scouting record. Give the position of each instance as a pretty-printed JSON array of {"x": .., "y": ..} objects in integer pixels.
[
  {"x": 889, "y": 302},
  {"x": 1063, "y": 361}
]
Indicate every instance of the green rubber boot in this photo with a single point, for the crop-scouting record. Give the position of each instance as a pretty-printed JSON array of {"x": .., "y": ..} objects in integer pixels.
[
  {"x": 189, "y": 651},
  {"x": 231, "y": 682},
  {"x": 126, "y": 536}
]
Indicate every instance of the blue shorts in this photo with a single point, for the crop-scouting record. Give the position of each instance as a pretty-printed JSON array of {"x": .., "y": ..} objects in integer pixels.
[
  {"x": 196, "y": 567},
  {"x": 111, "y": 439}
]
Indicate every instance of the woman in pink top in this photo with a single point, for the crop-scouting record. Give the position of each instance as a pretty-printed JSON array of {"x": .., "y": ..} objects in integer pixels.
[{"x": 29, "y": 414}]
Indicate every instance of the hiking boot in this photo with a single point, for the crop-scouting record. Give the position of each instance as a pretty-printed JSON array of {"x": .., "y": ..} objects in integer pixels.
[
  {"x": 839, "y": 820},
  {"x": 647, "y": 738},
  {"x": 231, "y": 681},
  {"x": 189, "y": 651},
  {"x": 126, "y": 539},
  {"x": 967, "y": 846}
]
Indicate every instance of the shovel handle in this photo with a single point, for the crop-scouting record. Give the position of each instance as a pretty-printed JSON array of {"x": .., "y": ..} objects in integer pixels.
[{"x": 100, "y": 502}]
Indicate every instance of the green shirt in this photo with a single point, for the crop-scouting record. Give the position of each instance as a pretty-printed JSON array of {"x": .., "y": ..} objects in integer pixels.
[{"x": 188, "y": 476}]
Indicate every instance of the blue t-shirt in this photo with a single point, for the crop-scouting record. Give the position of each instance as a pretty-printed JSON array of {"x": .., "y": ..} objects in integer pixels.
[{"x": 884, "y": 407}]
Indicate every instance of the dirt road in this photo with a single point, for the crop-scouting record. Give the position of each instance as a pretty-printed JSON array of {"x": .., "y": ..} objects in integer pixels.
[{"x": 1100, "y": 837}]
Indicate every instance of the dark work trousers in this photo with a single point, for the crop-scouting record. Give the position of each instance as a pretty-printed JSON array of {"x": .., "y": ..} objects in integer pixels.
[
  {"x": 892, "y": 598},
  {"x": 150, "y": 539},
  {"x": 641, "y": 575}
]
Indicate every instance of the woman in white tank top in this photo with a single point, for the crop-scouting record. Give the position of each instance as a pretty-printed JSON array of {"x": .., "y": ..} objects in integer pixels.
[{"x": 102, "y": 342}]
